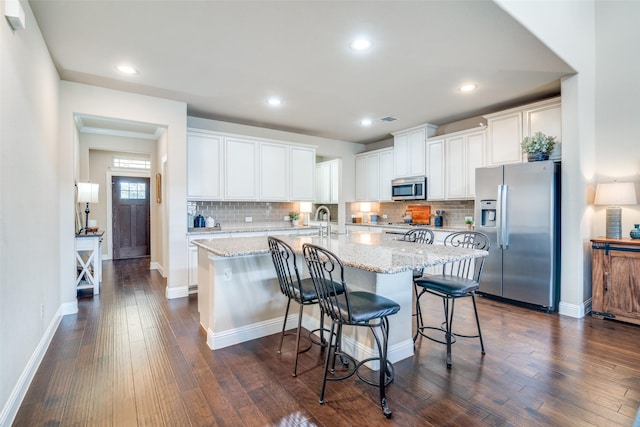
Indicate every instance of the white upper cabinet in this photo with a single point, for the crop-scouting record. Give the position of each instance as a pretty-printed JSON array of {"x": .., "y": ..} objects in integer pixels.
[
  {"x": 241, "y": 164},
  {"x": 386, "y": 174},
  {"x": 204, "y": 165},
  {"x": 232, "y": 167},
  {"x": 327, "y": 181},
  {"x": 545, "y": 118},
  {"x": 506, "y": 129},
  {"x": 409, "y": 151},
  {"x": 435, "y": 169},
  {"x": 374, "y": 175},
  {"x": 274, "y": 159},
  {"x": 302, "y": 176},
  {"x": 452, "y": 161}
]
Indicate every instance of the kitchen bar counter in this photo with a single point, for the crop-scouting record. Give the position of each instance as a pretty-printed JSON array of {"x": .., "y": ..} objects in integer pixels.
[
  {"x": 239, "y": 297},
  {"x": 375, "y": 252}
]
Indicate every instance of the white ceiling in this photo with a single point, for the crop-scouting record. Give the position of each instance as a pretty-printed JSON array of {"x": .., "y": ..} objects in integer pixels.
[{"x": 224, "y": 58}]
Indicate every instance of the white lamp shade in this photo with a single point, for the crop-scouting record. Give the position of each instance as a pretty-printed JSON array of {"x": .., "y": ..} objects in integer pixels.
[
  {"x": 88, "y": 192},
  {"x": 616, "y": 194},
  {"x": 305, "y": 207}
]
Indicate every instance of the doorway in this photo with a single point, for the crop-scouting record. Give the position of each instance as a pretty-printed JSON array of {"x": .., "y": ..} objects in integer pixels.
[{"x": 130, "y": 216}]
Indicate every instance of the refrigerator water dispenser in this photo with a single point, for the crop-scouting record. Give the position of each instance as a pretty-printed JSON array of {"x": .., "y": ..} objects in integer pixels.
[{"x": 488, "y": 213}]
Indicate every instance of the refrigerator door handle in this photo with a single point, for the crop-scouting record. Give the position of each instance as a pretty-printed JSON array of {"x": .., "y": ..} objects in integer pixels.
[
  {"x": 504, "y": 220},
  {"x": 499, "y": 217}
]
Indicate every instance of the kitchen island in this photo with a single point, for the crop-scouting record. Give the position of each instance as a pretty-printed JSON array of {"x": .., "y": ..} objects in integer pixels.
[{"x": 239, "y": 297}]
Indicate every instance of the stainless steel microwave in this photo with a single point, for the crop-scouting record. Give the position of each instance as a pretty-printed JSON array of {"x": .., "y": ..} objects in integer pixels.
[{"x": 413, "y": 188}]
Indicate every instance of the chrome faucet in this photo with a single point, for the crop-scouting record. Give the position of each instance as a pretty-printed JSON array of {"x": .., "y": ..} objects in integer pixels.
[{"x": 325, "y": 210}]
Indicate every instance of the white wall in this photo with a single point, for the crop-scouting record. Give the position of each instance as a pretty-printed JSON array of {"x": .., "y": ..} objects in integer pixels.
[
  {"x": 600, "y": 125},
  {"x": 90, "y": 100},
  {"x": 29, "y": 185}
]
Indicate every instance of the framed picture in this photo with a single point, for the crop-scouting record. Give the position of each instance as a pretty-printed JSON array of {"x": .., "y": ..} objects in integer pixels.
[{"x": 158, "y": 188}]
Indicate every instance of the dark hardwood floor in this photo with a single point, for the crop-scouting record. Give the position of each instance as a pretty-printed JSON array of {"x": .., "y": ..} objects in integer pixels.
[{"x": 132, "y": 357}]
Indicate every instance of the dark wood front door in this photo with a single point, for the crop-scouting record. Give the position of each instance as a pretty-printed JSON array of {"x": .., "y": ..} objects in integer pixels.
[{"x": 130, "y": 217}]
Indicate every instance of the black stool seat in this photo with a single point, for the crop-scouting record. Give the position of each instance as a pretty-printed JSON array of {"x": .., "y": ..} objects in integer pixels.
[
  {"x": 366, "y": 306},
  {"x": 454, "y": 286}
]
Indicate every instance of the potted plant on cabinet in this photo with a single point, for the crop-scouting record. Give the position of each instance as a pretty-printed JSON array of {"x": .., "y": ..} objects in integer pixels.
[
  {"x": 538, "y": 146},
  {"x": 469, "y": 223},
  {"x": 294, "y": 217}
]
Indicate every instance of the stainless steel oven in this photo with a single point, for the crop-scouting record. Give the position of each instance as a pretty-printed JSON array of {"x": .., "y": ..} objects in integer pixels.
[{"x": 413, "y": 188}]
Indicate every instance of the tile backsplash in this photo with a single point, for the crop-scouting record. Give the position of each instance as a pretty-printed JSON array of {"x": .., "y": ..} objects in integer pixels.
[
  {"x": 455, "y": 210},
  {"x": 235, "y": 212}
]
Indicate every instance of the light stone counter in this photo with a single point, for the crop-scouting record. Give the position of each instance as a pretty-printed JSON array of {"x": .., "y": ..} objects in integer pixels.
[
  {"x": 239, "y": 297},
  {"x": 252, "y": 227},
  {"x": 375, "y": 252}
]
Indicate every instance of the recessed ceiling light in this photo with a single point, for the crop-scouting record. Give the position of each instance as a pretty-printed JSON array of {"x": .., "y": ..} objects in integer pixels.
[
  {"x": 468, "y": 87},
  {"x": 274, "y": 101},
  {"x": 366, "y": 122},
  {"x": 360, "y": 44},
  {"x": 126, "y": 69}
]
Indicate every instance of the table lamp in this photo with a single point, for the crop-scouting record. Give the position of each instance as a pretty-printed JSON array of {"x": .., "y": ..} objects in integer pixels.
[
  {"x": 365, "y": 208},
  {"x": 613, "y": 195},
  {"x": 305, "y": 210},
  {"x": 87, "y": 193}
]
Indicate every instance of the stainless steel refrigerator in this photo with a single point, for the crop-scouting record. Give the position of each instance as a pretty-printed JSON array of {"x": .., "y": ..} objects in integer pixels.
[{"x": 518, "y": 207}]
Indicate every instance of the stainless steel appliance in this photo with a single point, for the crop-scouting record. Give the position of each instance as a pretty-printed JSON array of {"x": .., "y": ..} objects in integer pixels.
[
  {"x": 413, "y": 188},
  {"x": 518, "y": 207}
]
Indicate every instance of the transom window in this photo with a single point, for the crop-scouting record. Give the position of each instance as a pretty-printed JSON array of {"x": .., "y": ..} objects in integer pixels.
[
  {"x": 133, "y": 190},
  {"x": 131, "y": 163}
]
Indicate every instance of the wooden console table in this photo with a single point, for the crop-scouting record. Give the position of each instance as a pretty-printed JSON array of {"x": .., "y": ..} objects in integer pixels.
[
  {"x": 615, "y": 274},
  {"x": 89, "y": 261}
]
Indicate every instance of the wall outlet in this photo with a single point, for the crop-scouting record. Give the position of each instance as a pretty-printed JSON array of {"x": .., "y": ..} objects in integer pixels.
[
  {"x": 228, "y": 274},
  {"x": 384, "y": 216},
  {"x": 41, "y": 311},
  {"x": 286, "y": 218},
  {"x": 468, "y": 218},
  {"x": 248, "y": 219}
]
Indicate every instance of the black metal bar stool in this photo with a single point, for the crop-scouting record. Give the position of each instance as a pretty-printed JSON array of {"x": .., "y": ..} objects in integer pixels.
[
  {"x": 302, "y": 291},
  {"x": 355, "y": 308},
  {"x": 459, "y": 279}
]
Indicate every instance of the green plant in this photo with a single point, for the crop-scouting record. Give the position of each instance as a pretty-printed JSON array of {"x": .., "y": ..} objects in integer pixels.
[
  {"x": 468, "y": 221},
  {"x": 538, "y": 143},
  {"x": 294, "y": 215}
]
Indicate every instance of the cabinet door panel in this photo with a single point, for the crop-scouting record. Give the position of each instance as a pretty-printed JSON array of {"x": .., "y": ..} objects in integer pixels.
[
  {"x": 361, "y": 179},
  {"x": 273, "y": 172},
  {"x": 623, "y": 292},
  {"x": 474, "y": 159},
  {"x": 435, "y": 170},
  {"x": 455, "y": 168},
  {"x": 303, "y": 167},
  {"x": 372, "y": 176},
  {"x": 386, "y": 175},
  {"x": 505, "y": 135},
  {"x": 241, "y": 166},
  {"x": 204, "y": 161}
]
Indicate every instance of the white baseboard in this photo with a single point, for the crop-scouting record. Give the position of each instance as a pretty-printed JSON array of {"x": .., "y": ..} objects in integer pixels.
[
  {"x": 12, "y": 405},
  {"x": 245, "y": 333},
  {"x": 68, "y": 308},
  {"x": 176, "y": 292},
  {"x": 157, "y": 266},
  {"x": 574, "y": 310}
]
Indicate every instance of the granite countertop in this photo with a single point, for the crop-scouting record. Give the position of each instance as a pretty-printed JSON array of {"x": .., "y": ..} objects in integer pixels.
[
  {"x": 248, "y": 227},
  {"x": 376, "y": 252}
]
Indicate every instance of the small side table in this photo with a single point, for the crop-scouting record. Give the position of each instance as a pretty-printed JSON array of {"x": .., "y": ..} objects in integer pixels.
[{"x": 89, "y": 261}]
